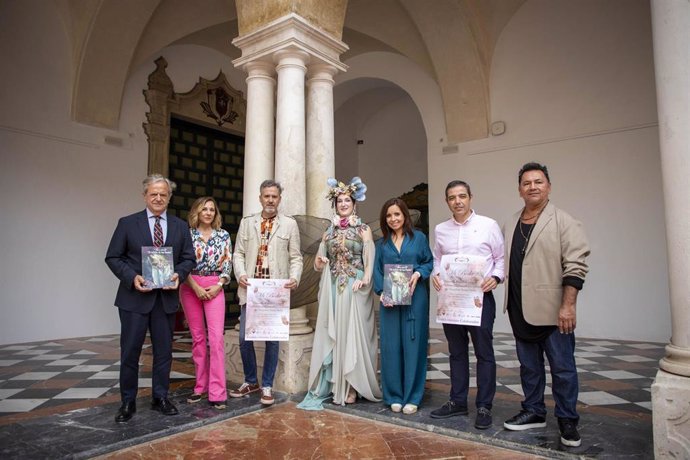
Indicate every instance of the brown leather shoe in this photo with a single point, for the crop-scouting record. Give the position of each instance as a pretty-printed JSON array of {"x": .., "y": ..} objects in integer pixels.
[
  {"x": 195, "y": 398},
  {"x": 244, "y": 390}
]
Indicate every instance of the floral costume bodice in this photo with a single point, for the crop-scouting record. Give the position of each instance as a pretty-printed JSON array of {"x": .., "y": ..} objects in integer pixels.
[{"x": 344, "y": 251}]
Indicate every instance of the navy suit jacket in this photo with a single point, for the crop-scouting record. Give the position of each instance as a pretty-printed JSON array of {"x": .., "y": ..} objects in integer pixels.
[{"x": 124, "y": 260}]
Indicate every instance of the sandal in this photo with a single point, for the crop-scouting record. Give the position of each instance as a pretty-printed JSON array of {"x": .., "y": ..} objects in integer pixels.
[{"x": 351, "y": 396}]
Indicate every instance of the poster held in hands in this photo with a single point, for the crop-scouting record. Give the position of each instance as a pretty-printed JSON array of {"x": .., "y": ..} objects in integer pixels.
[
  {"x": 461, "y": 296},
  {"x": 157, "y": 266},
  {"x": 396, "y": 284},
  {"x": 268, "y": 310}
]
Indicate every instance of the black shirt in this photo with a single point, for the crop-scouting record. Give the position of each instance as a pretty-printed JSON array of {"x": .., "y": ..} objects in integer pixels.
[{"x": 521, "y": 328}]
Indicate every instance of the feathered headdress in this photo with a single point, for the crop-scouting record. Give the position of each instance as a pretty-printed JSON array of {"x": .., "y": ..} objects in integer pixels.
[{"x": 356, "y": 189}]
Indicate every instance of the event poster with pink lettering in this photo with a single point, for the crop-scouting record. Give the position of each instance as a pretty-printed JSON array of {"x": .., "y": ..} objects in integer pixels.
[
  {"x": 460, "y": 298},
  {"x": 268, "y": 310}
]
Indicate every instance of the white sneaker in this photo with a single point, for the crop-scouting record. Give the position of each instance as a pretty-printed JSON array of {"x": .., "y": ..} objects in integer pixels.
[
  {"x": 396, "y": 407},
  {"x": 267, "y": 396}
]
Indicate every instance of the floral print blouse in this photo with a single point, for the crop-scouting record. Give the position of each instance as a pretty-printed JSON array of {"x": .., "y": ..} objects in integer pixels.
[{"x": 214, "y": 255}]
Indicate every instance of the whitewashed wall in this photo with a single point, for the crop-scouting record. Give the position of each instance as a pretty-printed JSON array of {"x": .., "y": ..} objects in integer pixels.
[
  {"x": 574, "y": 83},
  {"x": 392, "y": 157},
  {"x": 62, "y": 188}
]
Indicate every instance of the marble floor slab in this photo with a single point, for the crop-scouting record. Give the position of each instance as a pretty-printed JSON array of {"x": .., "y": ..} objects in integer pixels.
[
  {"x": 71, "y": 396},
  {"x": 285, "y": 432}
]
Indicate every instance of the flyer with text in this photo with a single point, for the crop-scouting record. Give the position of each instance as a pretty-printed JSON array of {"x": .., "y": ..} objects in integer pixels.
[
  {"x": 460, "y": 298},
  {"x": 268, "y": 310}
]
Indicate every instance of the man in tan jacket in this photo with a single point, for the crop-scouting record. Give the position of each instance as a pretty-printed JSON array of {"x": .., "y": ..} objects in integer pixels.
[
  {"x": 546, "y": 250},
  {"x": 267, "y": 246}
]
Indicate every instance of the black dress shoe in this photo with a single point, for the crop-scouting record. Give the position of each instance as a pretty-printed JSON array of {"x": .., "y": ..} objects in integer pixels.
[
  {"x": 126, "y": 411},
  {"x": 164, "y": 406}
]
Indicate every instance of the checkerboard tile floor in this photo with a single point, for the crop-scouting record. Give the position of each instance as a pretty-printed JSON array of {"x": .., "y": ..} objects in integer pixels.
[
  {"x": 51, "y": 374},
  {"x": 613, "y": 374}
]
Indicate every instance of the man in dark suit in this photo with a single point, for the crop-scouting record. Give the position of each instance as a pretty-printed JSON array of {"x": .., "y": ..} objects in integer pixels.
[{"x": 140, "y": 307}]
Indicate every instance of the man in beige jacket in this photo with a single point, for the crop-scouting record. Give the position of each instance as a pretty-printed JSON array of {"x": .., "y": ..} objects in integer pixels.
[
  {"x": 267, "y": 246},
  {"x": 546, "y": 250}
]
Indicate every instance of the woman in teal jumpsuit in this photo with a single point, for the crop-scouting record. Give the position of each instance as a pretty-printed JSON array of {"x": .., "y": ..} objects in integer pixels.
[{"x": 404, "y": 328}]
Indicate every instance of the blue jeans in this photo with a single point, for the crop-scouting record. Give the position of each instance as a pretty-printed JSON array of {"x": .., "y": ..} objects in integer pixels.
[
  {"x": 249, "y": 357},
  {"x": 458, "y": 348},
  {"x": 560, "y": 351}
]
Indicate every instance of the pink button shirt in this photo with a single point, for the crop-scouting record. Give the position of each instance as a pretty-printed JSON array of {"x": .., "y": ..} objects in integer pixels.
[{"x": 477, "y": 236}]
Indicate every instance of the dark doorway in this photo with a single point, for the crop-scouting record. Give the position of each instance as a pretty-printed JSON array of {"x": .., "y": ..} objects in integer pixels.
[{"x": 205, "y": 161}]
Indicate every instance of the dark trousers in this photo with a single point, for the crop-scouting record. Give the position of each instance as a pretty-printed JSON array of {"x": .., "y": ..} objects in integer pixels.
[
  {"x": 560, "y": 351},
  {"x": 133, "y": 327},
  {"x": 458, "y": 347}
]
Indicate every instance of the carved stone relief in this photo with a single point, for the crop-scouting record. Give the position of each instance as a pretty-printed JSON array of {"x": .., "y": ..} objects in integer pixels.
[
  {"x": 671, "y": 416},
  {"x": 211, "y": 102}
]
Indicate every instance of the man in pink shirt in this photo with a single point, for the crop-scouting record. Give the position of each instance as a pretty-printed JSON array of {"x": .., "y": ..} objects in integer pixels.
[{"x": 468, "y": 233}]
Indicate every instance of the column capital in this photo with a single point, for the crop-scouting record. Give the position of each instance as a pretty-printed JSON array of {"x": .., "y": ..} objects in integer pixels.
[
  {"x": 291, "y": 57},
  {"x": 290, "y": 32},
  {"x": 260, "y": 68},
  {"x": 321, "y": 73}
]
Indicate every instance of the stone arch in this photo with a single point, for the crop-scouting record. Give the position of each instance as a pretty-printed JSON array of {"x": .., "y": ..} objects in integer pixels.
[
  {"x": 103, "y": 65},
  {"x": 120, "y": 36},
  {"x": 423, "y": 89}
]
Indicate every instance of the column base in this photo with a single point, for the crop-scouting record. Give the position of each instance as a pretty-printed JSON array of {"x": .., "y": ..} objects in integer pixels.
[
  {"x": 671, "y": 415},
  {"x": 294, "y": 358}
]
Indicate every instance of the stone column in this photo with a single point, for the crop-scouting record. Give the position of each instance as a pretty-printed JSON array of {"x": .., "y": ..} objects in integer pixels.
[
  {"x": 258, "y": 141},
  {"x": 290, "y": 129},
  {"x": 671, "y": 389},
  {"x": 292, "y": 43},
  {"x": 320, "y": 138}
]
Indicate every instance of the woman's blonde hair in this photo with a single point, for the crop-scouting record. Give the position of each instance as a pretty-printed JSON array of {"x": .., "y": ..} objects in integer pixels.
[{"x": 195, "y": 210}]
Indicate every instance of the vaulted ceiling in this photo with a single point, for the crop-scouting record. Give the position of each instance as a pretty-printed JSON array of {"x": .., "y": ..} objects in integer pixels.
[{"x": 451, "y": 40}]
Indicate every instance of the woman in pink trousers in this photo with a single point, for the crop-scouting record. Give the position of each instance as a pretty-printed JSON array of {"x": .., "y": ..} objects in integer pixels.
[{"x": 203, "y": 301}]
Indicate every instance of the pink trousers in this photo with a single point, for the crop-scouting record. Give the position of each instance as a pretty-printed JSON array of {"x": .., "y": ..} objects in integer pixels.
[{"x": 208, "y": 363}]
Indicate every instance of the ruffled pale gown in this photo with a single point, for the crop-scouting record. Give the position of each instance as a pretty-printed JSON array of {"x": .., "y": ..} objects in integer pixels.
[{"x": 345, "y": 342}]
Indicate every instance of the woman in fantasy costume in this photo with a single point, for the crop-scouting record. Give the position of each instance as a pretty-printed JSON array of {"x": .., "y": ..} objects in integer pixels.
[{"x": 343, "y": 361}]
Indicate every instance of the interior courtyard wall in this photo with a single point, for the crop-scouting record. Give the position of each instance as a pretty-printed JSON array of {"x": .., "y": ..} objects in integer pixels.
[
  {"x": 62, "y": 188},
  {"x": 392, "y": 157},
  {"x": 346, "y": 134},
  {"x": 594, "y": 106},
  {"x": 574, "y": 84}
]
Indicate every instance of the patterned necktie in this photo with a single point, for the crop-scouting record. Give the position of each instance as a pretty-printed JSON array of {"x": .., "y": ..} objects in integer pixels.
[{"x": 158, "y": 233}]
